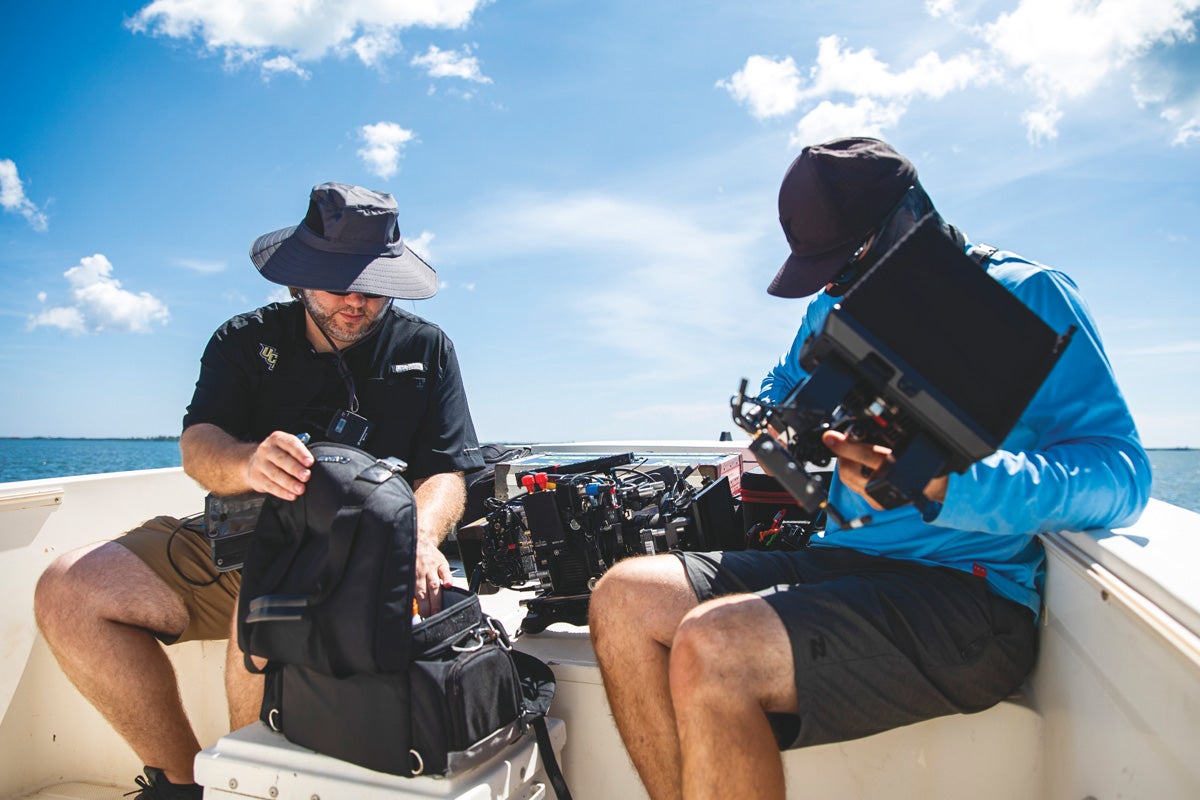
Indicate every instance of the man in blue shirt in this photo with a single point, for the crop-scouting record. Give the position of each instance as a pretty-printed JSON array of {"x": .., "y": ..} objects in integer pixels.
[{"x": 711, "y": 660}]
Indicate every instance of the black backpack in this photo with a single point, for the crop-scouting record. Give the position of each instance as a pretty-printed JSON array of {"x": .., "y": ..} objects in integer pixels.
[
  {"x": 332, "y": 572},
  {"x": 326, "y": 598}
]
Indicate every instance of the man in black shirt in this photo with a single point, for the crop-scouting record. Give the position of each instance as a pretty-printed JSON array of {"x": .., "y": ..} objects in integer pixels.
[{"x": 340, "y": 363}]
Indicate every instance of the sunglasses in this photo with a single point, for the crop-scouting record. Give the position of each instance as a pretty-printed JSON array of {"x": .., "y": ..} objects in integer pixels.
[
  {"x": 364, "y": 294},
  {"x": 853, "y": 268}
]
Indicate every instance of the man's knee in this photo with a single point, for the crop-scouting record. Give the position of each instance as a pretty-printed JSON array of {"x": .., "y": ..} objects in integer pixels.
[
  {"x": 57, "y": 593},
  {"x": 105, "y": 582},
  {"x": 730, "y": 645},
  {"x": 701, "y": 649},
  {"x": 647, "y": 593}
]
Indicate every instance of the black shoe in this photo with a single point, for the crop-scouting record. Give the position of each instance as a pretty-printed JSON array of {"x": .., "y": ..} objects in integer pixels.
[{"x": 155, "y": 786}]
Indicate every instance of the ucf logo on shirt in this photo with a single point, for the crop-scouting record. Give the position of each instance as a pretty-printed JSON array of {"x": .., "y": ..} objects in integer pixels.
[{"x": 268, "y": 354}]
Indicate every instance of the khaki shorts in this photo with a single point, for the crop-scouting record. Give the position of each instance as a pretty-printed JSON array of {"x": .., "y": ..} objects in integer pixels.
[{"x": 179, "y": 554}]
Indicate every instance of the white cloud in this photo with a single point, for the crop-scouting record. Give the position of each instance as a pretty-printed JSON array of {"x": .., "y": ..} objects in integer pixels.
[
  {"x": 374, "y": 48},
  {"x": 641, "y": 263},
  {"x": 283, "y": 64},
  {"x": 13, "y": 199},
  {"x": 1055, "y": 50},
  {"x": 200, "y": 265},
  {"x": 280, "y": 294},
  {"x": 863, "y": 117},
  {"x": 249, "y": 30},
  {"x": 1041, "y": 124},
  {"x": 1064, "y": 49},
  {"x": 100, "y": 304},
  {"x": 440, "y": 63},
  {"x": 770, "y": 88},
  {"x": 421, "y": 243},
  {"x": 1187, "y": 127},
  {"x": 876, "y": 95},
  {"x": 383, "y": 147},
  {"x": 862, "y": 74},
  {"x": 941, "y": 8}
]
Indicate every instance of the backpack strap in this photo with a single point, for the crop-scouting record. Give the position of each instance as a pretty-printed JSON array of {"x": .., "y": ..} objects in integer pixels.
[
  {"x": 980, "y": 253},
  {"x": 537, "y": 687},
  {"x": 345, "y": 523}
]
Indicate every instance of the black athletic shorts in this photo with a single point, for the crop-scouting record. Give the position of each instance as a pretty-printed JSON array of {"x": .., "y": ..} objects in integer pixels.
[{"x": 877, "y": 642}]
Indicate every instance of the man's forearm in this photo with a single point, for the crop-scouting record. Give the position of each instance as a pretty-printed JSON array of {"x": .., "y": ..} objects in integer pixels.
[
  {"x": 441, "y": 499},
  {"x": 216, "y": 460},
  {"x": 277, "y": 465}
]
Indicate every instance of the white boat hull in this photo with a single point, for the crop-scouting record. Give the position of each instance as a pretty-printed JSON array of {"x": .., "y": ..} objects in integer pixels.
[{"x": 1112, "y": 710}]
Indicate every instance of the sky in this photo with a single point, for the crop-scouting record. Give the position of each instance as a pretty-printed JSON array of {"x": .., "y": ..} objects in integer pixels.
[{"x": 595, "y": 182}]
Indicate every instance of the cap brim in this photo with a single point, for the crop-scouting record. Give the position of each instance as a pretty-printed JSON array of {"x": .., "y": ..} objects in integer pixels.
[
  {"x": 800, "y": 277},
  {"x": 284, "y": 258}
]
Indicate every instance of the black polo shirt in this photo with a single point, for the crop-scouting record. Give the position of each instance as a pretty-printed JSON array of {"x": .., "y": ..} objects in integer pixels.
[{"x": 259, "y": 373}]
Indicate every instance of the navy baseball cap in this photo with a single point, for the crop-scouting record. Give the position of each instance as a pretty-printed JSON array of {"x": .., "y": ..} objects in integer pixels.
[{"x": 833, "y": 197}]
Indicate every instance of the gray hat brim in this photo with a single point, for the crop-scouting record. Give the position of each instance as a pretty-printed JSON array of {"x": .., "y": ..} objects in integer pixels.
[{"x": 283, "y": 257}]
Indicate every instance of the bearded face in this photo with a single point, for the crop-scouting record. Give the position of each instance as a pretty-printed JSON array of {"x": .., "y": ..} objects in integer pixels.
[{"x": 347, "y": 319}]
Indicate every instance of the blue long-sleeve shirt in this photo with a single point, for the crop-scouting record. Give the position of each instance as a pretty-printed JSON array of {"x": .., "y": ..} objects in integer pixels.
[{"x": 1073, "y": 460}]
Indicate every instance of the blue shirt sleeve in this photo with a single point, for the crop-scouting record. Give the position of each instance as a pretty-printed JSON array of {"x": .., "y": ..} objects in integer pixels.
[
  {"x": 1074, "y": 460},
  {"x": 788, "y": 373}
]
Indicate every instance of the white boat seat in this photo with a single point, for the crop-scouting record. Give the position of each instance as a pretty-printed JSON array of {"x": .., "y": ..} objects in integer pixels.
[{"x": 256, "y": 762}]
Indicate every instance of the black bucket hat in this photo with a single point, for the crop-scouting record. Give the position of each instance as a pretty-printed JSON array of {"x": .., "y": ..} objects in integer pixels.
[
  {"x": 348, "y": 242},
  {"x": 833, "y": 197}
]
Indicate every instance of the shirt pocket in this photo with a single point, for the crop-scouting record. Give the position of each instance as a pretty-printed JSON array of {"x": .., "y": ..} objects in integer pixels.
[{"x": 396, "y": 401}]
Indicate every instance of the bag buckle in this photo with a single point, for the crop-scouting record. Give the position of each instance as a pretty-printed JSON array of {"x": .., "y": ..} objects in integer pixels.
[
  {"x": 394, "y": 465},
  {"x": 484, "y": 634}
]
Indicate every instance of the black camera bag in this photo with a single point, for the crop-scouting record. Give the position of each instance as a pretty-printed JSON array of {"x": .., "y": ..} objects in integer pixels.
[{"x": 326, "y": 598}]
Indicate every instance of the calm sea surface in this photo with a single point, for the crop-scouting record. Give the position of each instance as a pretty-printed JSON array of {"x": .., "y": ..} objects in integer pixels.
[
  {"x": 26, "y": 459},
  {"x": 1176, "y": 472}
]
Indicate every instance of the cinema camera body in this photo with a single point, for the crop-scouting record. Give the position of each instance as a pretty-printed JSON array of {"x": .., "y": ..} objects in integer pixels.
[
  {"x": 574, "y": 522},
  {"x": 927, "y": 355}
]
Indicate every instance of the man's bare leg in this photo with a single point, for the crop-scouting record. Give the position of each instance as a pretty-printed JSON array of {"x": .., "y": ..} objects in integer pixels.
[
  {"x": 633, "y": 613},
  {"x": 96, "y": 606},
  {"x": 731, "y": 662},
  {"x": 243, "y": 689}
]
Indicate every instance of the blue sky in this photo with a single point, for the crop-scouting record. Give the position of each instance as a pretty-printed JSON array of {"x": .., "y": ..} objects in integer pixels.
[{"x": 595, "y": 183}]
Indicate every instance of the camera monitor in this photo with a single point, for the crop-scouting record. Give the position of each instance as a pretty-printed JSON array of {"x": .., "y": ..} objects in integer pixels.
[
  {"x": 715, "y": 518},
  {"x": 945, "y": 342}
]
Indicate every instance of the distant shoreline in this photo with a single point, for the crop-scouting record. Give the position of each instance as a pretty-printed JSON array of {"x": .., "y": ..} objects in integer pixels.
[{"x": 91, "y": 438}]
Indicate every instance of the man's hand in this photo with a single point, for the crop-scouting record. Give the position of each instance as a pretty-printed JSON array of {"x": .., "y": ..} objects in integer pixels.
[
  {"x": 226, "y": 466},
  {"x": 433, "y": 572},
  {"x": 858, "y": 461},
  {"x": 440, "y": 498},
  {"x": 279, "y": 466}
]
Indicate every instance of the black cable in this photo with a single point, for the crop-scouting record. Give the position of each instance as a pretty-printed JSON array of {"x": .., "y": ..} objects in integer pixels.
[{"x": 183, "y": 523}]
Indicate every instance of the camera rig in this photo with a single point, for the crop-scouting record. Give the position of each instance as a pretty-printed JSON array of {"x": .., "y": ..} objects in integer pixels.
[
  {"x": 926, "y": 355},
  {"x": 575, "y": 521}
]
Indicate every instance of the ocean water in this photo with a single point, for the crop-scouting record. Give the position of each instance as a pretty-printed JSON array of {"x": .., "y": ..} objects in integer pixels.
[
  {"x": 27, "y": 459},
  {"x": 1176, "y": 472}
]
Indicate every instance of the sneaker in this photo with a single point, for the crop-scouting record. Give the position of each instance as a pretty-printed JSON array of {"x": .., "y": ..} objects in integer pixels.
[{"x": 155, "y": 786}]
